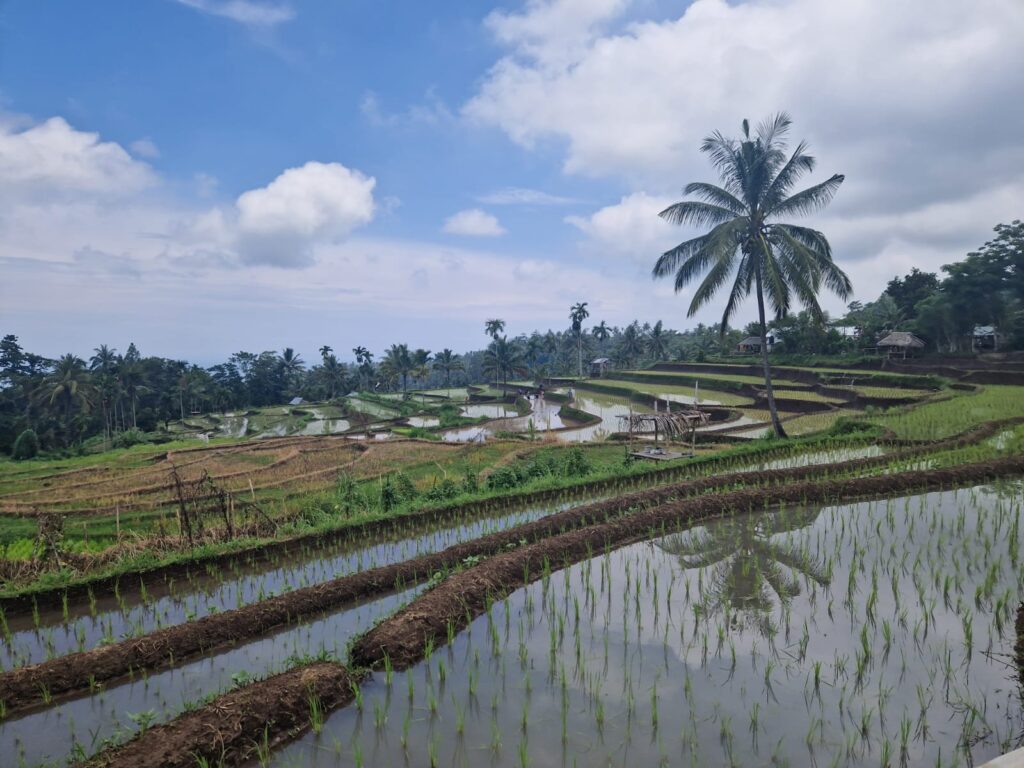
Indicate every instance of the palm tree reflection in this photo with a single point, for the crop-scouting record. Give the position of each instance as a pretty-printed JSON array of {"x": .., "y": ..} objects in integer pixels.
[{"x": 750, "y": 568}]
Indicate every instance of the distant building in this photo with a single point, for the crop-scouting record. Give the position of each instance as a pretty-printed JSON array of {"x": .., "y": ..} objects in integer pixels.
[
  {"x": 985, "y": 338},
  {"x": 599, "y": 366},
  {"x": 900, "y": 344},
  {"x": 296, "y": 401},
  {"x": 752, "y": 345}
]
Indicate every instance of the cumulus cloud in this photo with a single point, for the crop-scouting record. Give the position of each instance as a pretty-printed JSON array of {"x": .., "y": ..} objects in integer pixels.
[
  {"x": 53, "y": 160},
  {"x": 145, "y": 147},
  {"x": 279, "y": 223},
  {"x": 247, "y": 12},
  {"x": 473, "y": 222},
  {"x": 630, "y": 227},
  {"x": 916, "y": 102}
]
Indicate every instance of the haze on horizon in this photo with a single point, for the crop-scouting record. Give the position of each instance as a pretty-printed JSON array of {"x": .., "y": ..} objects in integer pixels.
[{"x": 204, "y": 176}]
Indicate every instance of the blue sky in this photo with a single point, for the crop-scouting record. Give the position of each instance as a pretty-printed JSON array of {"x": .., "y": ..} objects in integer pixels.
[{"x": 204, "y": 176}]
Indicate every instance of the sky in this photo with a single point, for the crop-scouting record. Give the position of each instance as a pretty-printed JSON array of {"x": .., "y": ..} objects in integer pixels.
[{"x": 201, "y": 177}]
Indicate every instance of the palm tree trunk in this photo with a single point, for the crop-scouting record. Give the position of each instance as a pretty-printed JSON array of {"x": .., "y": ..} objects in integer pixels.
[
  {"x": 776, "y": 423},
  {"x": 579, "y": 353}
]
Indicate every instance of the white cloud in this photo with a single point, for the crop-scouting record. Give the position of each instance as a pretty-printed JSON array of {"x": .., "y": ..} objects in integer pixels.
[
  {"x": 473, "y": 222},
  {"x": 279, "y": 223},
  {"x": 206, "y": 184},
  {"x": 247, "y": 12},
  {"x": 631, "y": 227},
  {"x": 145, "y": 148},
  {"x": 916, "y": 102},
  {"x": 521, "y": 196},
  {"x": 52, "y": 160}
]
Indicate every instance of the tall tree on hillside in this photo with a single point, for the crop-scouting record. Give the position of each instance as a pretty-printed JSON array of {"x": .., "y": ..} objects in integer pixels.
[
  {"x": 447, "y": 362},
  {"x": 503, "y": 358},
  {"x": 325, "y": 350},
  {"x": 577, "y": 314},
  {"x": 421, "y": 370},
  {"x": 67, "y": 388},
  {"x": 492, "y": 328},
  {"x": 333, "y": 373},
  {"x": 774, "y": 260},
  {"x": 364, "y": 360},
  {"x": 291, "y": 365},
  {"x": 630, "y": 346},
  {"x": 657, "y": 342},
  {"x": 399, "y": 360}
]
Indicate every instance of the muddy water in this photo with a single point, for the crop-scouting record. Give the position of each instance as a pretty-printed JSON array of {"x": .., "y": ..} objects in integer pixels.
[
  {"x": 115, "y": 617},
  {"x": 51, "y": 735},
  {"x": 608, "y": 408},
  {"x": 815, "y": 458},
  {"x": 325, "y": 427},
  {"x": 869, "y": 634},
  {"x": 543, "y": 417}
]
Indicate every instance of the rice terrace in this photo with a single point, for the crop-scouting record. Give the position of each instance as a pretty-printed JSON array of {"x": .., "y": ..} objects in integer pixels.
[
  {"x": 542, "y": 591},
  {"x": 534, "y": 384}
]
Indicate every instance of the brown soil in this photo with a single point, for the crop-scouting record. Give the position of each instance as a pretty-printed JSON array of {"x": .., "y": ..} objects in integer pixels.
[
  {"x": 238, "y": 725},
  {"x": 23, "y": 688},
  {"x": 465, "y": 595}
]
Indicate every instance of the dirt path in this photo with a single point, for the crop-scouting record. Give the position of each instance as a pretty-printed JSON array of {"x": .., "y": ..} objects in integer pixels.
[{"x": 237, "y": 726}]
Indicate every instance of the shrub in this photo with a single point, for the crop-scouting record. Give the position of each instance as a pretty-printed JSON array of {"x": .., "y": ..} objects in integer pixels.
[
  {"x": 577, "y": 464},
  {"x": 129, "y": 437},
  {"x": 26, "y": 446}
]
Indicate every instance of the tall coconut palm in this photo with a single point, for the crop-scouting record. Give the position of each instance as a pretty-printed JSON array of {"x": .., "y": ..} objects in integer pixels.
[
  {"x": 601, "y": 332},
  {"x": 364, "y": 359},
  {"x": 631, "y": 344},
  {"x": 577, "y": 314},
  {"x": 503, "y": 358},
  {"x": 775, "y": 261},
  {"x": 291, "y": 365},
  {"x": 67, "y": 387},
  {"x": 400, "y": 361},
  {"x": 325, "y": 350},
  {"x": 657, "y": 342},
  {"x": 333, "y": 373},
  {"x": 447, "y": 362},
  {"x": 492, "y": 328}
]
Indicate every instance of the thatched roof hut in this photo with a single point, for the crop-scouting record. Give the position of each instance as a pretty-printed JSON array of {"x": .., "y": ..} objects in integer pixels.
[{"x": 900, "y": 343}]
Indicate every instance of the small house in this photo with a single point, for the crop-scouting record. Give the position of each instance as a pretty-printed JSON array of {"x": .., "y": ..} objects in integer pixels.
[
  {"x": 985, "y": 338},
  {"x": 296, "y": 401},
  {"x": 599, "y": 366},
  {"x": 900, "y": 344},
  {"x": 752, "y": 345}
]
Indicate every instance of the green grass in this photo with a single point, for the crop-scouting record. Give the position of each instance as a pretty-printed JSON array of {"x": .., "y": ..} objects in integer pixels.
[
  {"x": 942, "y": 418},
  {"x": 649, "y": 388}
]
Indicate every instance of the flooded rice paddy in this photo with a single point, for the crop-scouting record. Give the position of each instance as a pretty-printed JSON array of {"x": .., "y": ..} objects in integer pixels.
[{"x": 876, "y": 633}]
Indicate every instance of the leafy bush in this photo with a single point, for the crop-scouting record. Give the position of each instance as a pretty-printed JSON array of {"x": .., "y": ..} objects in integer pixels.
[
  {"x": 26, "y": 446},
  {"x": 446, "y": 489},
  {"x": 129, "y": 437},
  {"x": 577, "y": 464}
]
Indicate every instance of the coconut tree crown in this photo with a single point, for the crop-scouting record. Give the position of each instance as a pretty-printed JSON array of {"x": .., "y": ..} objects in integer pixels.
[{"x": 746, "y": 237}]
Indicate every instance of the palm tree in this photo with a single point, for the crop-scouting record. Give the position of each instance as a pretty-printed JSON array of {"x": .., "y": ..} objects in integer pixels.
[
  {"x": 748, "y": 564},
  {"x": 325, "y": 351},
  {"x": 364, "y": 359},
  {"x": 503, "y": 358},
  {"x": 67, "y": 386},
  {"x": 577, "y": 314},
  {"x": 399, "y": 361},
  {"x": 492, "y": 328},
  {"x": 131, "y": 375},
  {"x": 291, "y": 365},
  {"x": 333, "y": 373},
  {"x": 601, "y": 332},
  {"x": 631, "y": 344},
  {"x": 657, "y": 342},
  {"x": 769, "y": 258},
  {"x": 446, "y": 362}
]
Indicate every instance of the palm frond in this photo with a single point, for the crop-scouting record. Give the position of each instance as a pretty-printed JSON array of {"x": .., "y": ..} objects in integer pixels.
[
  {"x": 798, "y": 164},
  {"x": 774, "y": 129},
  {"x": 809, "y": 200},
  {"x": 716, "y": 195},
  {"x": 697, "y": 214},
  {"x": 740, "y": 290},
  {"x": 715, "y": 279},
  {"x": 671, "y": 260}
]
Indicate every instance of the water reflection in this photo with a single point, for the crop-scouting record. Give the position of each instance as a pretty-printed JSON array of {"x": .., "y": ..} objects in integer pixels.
[{"x": 751, "y": 563}]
